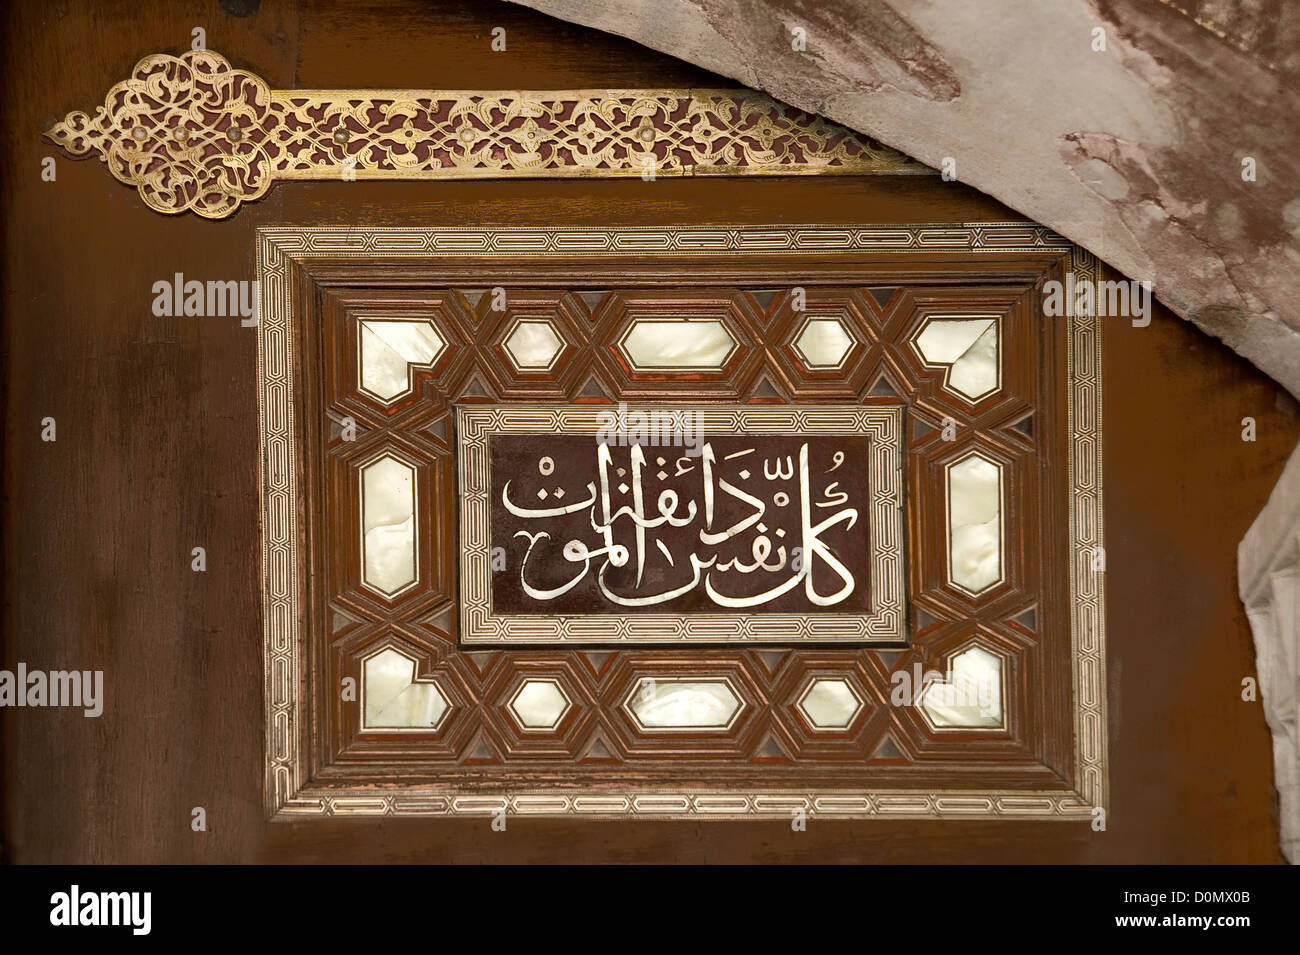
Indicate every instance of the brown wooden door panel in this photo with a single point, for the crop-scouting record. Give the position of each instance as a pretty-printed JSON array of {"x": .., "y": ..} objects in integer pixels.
[{"x": 157, "y": 450}]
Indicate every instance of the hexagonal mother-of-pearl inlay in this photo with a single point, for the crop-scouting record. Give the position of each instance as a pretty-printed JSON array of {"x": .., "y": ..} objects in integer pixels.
[
  {"x": 683, "y": 704},
  {"x": 971, "y": 696},
  {"x": 539, "y": 704},
  {"x": 394, "y": 699},
  {"x": 830, "y": 704},
  {"x": 968, "y": 345},
  {"x": 974, "y": 523},
  {"x": 678, "y": 344},
  {"x": 823, "y": 343},
  {"x": 388, "y": 348},
  {"x": 533, "y": 345},
  {"x": 388, "y": 525}
]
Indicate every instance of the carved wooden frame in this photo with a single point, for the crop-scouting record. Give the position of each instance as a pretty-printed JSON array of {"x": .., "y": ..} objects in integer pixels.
[{"x": 305, "y": 778}]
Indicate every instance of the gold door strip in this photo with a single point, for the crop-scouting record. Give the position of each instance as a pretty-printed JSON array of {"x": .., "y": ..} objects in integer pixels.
[{"x": 191, "y": 132}]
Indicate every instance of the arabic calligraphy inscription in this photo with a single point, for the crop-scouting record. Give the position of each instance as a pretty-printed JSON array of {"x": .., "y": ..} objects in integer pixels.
[{"x": 756, "y": 524}]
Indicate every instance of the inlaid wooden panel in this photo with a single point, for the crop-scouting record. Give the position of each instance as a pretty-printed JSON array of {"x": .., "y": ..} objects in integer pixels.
[{"x": 767, "y": 718}]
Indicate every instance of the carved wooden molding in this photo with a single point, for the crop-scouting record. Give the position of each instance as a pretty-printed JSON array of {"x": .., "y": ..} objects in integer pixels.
[{"x": 191, "y": 132}]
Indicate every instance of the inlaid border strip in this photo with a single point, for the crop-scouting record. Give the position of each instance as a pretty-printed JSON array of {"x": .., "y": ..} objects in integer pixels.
[
  {"x": 287, "y": 796},
  {"x": 886, "y": 623}
]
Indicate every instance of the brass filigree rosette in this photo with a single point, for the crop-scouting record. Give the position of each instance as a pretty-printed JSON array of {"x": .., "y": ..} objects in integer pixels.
[{"x": 190, "y": 132}]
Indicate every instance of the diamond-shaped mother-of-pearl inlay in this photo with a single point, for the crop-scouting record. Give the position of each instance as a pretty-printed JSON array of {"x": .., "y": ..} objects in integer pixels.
[{"x": 388, "y": 348}]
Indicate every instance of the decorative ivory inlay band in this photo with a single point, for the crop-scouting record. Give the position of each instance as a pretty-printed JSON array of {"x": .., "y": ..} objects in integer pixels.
[{"x": 191, "y": 132}]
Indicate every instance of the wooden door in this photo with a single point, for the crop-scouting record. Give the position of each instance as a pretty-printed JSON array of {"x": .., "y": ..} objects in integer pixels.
[{"x": 158, "y": 451}]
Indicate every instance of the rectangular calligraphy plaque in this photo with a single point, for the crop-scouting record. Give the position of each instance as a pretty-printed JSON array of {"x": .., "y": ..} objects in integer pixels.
[{"x": 672, "y": 523}]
